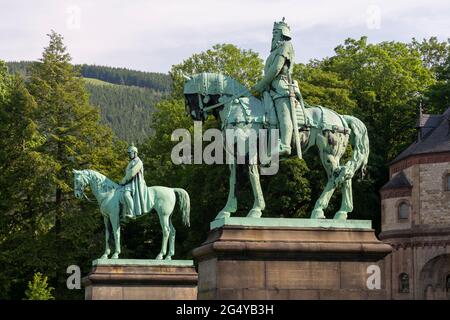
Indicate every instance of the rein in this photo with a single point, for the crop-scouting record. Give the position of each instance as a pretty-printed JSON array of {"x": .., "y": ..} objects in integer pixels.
[
  {"x": 84, "y": 194},
  {"x": 238, "y": 95}
]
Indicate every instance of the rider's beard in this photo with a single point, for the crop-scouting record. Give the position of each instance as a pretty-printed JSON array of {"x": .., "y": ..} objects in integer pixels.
[{"x": 274, "y": 44}]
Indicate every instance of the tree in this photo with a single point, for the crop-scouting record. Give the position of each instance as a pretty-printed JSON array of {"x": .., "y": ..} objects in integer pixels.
[
  {"x": 384, "y": 79},
  {"x": 39, "y": 289},
  {"x": 322, "y": 87},
  {"x": 243, "y": 65},
  {"x": 432, "y": 52},
  {"x": 22, "y": 205},
  {"x": 48, "y": 129},
  {"x": 436, "y": 56}
]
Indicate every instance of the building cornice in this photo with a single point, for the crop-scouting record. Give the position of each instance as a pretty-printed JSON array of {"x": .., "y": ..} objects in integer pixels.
[
  {"x": 415, "y": 232},
  {"x": 407, "y": 162}
]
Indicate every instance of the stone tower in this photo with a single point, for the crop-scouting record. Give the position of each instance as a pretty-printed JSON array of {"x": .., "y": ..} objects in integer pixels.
[{"x": 415, "y": 219}]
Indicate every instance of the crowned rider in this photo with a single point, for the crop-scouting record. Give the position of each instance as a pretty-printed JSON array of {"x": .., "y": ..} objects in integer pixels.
[
  {"x": 279, "y": 65},
  {"x": 135, "y": 190}
]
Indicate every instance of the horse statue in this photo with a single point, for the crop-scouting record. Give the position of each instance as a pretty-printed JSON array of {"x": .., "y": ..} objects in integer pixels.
[
  {"x": 109, "y": 194},
  {"x": 228, "y": 100}
]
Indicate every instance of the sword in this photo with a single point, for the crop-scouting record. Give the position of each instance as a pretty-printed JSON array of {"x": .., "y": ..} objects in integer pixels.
[{"x": 294, "y": 116}]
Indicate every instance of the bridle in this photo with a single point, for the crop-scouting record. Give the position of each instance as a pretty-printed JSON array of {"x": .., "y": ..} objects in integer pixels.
[{"x": 81, "y": 191}]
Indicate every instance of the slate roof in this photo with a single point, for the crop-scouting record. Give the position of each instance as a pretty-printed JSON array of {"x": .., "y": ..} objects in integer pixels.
[
  {"x": 400, "y": 180},
  {"x": 435, "y": 136}
]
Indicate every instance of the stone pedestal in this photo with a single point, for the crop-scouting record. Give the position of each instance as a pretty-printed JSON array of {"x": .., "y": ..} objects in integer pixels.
[
  {"x": 248, "y": 258},
  {"x": 128, "y": 279}
]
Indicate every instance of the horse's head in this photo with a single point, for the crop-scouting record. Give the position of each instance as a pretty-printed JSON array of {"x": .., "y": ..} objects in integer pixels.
[
  {"x": 79, "y": 183},
  {"x": 204, "y": 90}
]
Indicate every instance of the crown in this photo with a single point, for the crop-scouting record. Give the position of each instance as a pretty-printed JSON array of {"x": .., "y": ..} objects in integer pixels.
[{"x": 281, "y": 25}]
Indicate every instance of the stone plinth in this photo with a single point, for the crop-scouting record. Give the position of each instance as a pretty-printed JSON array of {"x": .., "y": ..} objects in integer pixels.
[
  {"x": 248, "y": 258},
  {"x": 133, "y": 279}
]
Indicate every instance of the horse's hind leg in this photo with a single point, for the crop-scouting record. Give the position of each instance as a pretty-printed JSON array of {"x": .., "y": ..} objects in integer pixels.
[
  {"x": 231, "y": 205},
  {"x": 171, "y": 241},
  {"x": 330, "y": 163},
  {"x": 347, "y": 201},
  {"x": 258, "y": 204},
  {"x": 164, "y": 221},
  {"x": 107, "y": 250}
]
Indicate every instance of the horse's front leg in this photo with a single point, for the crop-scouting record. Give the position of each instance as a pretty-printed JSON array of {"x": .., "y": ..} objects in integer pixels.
[
  {"x": 107, "y": 250},
  {"x": 116, "y": 232},
  {"x": 231, "y": 205},
  {"x": 259, "y": 203}
]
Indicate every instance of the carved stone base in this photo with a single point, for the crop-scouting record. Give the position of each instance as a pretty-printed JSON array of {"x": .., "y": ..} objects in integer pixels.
[
  {"x": 126, "y": 279},
  {"x": 248, "y": 259}
]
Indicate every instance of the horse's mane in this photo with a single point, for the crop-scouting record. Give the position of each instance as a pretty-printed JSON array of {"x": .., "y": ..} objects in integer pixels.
[
  {"x": 101, "y": 179},
  {"x": 228, "y": 86}
]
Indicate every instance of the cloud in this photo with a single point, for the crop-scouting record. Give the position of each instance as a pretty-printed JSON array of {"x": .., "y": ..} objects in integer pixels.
[{"x": 153, "y": 35}]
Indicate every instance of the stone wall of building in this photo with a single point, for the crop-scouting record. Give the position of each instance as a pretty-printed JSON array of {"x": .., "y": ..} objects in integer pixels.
[
  {"x": 391, "y": 202},
  {"x": 434, "y": 198}
]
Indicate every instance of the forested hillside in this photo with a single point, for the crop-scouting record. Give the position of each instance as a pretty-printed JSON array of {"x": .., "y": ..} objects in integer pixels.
[
  {"x": 152, "y": 80},
  {"x": 126, "y": 98},
  {"x": 127, "y": 110}
]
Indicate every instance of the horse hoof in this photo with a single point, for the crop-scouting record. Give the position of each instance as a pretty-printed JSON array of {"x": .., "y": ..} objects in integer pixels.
[
  {"x": 159, "y": 257},
  {"x": 115, "y": 256},
  {"x": 254, "y": 213},
  {"x": 317, "y": 214},
  {"x": 105, "y": 256},
  {"x": 223, "y": 215},
  {"x": 340, "y": 215},
  {"x": 168, "y": 258}
]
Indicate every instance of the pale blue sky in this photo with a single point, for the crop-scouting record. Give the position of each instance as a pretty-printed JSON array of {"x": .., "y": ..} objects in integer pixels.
[{"x": 154, "y": 35}]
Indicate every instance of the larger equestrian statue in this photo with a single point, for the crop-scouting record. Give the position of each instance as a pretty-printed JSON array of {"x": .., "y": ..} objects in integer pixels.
[{"x": 281, "y": 107}]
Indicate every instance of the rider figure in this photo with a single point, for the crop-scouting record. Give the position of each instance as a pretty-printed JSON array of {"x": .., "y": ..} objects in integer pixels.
[
  {"x": 135, "y": 189},
  {"x": 276, "y": 73}
]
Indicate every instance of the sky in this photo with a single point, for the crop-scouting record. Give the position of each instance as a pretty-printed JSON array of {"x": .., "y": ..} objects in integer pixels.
[{"x": 154, "y": 35}]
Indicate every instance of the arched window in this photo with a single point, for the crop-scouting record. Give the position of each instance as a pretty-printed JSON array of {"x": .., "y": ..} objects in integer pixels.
[
  {"x": 403, "y": 210},
  {"x": 403, "y": 283}
]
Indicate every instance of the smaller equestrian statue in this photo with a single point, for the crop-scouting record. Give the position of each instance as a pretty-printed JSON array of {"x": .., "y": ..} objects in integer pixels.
[{"x": 115, "y": 201}]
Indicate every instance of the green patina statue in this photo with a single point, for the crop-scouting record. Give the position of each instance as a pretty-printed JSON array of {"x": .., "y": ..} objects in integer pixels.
[
  {"x": 276, "y": 81},
  {"x": 239, "y": 110},
  {"x": 132, "y": 199},
  {"x": 134, "y": 195}
]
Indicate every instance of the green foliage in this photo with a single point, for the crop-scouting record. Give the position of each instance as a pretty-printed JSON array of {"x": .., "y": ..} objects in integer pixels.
[
  {"x": 48, "y": 129},
  {"x": 38, "y": 289},
  {"x": 433, "y": 53},
  {"x": 436, "y": 56},
  {"x": 385, "y": 79},
  {"x": 124, "y": 107},
  {"x": 323, "y": 87},
  {"x": 126, "y": 98},
  {"x": 121, "y": 76},
  {"x": 243, "y": 65},
  {"x": 152, "y": 80}
]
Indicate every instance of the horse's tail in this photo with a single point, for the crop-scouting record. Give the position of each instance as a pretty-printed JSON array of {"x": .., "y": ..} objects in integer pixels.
[
  {"x": 360, "y": 144},
  {"x": 185, "y": 204}
]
